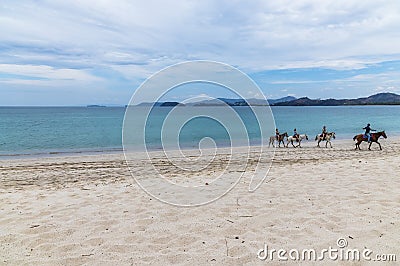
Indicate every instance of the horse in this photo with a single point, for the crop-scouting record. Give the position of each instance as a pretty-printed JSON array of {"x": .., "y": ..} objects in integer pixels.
[
  {"x": 374, "y": 138},
  {"x": 281, "y": 138},
  {"x": 299, "y": 139},
  {"x": 327, "y": 138}
]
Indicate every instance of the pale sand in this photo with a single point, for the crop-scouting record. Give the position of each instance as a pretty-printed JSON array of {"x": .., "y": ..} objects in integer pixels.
[{"x": 89, "y": 210}]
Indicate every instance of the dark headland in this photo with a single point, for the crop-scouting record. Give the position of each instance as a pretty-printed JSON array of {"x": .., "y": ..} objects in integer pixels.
[{"x": 376, "y": 99}]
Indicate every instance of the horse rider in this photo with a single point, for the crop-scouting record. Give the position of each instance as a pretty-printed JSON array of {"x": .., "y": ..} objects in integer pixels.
[
  {"x": 295, "y": 134},
  {"x": 324, "y": 132},
  {"x": 277, "y": 134},
  {"x": 368, "y": 130}
]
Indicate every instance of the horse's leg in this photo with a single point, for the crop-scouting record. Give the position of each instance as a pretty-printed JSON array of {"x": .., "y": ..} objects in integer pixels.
[
  {"x": 330, "y": 143},
  {"x": 358, "y": 144},
  {"x": 369, "y": 147},
  {"x": 319, "y": 140},
  {"x": 380, "y": 147},
  {"x": 326, "y": 144}
]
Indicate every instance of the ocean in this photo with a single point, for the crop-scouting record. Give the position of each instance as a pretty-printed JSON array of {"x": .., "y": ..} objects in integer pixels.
[{"x": 53, "y": 130}]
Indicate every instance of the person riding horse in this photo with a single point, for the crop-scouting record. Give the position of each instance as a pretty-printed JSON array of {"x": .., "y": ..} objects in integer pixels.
[
  {"x": 277, "y": 134},
  {"x": 295, "y": 134},
  {"x": 368, "y": 130},
  {"x": 324, "y": 132}
]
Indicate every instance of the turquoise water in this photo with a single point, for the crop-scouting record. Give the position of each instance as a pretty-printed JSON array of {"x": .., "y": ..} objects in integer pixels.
[{"x": 45, "y": 130}]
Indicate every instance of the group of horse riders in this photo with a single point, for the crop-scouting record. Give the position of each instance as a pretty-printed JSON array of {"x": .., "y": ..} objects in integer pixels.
[
  {"x": 297, "y": 135},
  {"x": 325, "y": 136},
  {"x": 324, "y": 132}
]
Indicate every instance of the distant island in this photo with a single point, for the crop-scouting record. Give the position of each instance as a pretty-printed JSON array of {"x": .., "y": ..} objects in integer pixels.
[
  {"x": 172, "y": 104},
  {"x": 95, "y": 105},
  {"x": 222, "y": 101},
  {"x": 377, "y": 99}
]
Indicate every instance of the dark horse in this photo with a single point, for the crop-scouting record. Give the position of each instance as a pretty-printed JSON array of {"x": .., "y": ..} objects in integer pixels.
[
  {"x": 279, "y": 139},
  {"x": 374, "y": 138}
]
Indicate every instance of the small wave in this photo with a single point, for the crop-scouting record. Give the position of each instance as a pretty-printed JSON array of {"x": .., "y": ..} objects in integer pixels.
[{"x": 41, "y": 154}]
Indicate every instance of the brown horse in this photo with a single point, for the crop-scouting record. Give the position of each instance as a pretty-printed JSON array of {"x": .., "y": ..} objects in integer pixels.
[
  {"x": 280, "y": 139},
  {"x": 374, "y": 138}
]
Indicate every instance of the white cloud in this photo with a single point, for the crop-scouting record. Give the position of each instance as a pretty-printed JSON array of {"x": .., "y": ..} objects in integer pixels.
[
  {"x": 47, "y": 72},
  {"x": 255, "y": 35},
  {"x": 61, "y": 40}
]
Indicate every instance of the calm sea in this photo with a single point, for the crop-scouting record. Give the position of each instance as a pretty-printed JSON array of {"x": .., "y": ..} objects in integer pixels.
[{"x": 52, "y": 130}]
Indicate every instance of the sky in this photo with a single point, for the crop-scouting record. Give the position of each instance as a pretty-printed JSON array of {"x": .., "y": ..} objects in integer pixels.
[{"x": 99, "y": 52}]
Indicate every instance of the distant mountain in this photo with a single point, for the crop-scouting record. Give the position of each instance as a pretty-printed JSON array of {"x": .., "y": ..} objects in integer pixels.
[
  {"x": 377, "y": 99},
  {"x": 241, "y": 102},
  {"x": 219, "y": 102},
  {"x": 150, "y": 104},
  {"x": 168, "y": 104},
  {"x": 282, "y": 100},
  {"x": 95, "y": 105},
  {"x": 381, "y": 98}
]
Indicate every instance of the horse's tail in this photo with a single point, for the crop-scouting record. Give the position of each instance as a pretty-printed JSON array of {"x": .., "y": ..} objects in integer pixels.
[
  {"x": 355, "y": 137},
  {"x": 316, "y": 137}
]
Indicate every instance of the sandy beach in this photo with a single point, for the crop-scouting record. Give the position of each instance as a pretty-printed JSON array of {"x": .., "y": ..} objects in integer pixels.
[{"x": 89, "y": 210}]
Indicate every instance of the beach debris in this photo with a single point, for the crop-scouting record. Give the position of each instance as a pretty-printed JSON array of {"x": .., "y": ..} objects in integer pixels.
[
  {"x": 87, "y": 255},
  {"x": 34, "y": 225},
  {"x": 226, "y": 245},
  {"x": 230, "y": 221},
  {"x": 351, "y": 237}
]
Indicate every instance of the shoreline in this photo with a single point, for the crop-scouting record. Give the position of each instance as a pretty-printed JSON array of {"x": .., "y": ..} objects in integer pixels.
[{"x": 37, "y": 154}]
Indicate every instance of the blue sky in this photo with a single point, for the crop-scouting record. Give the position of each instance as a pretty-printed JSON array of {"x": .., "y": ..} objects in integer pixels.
[{"x": 99, "y": 52}]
